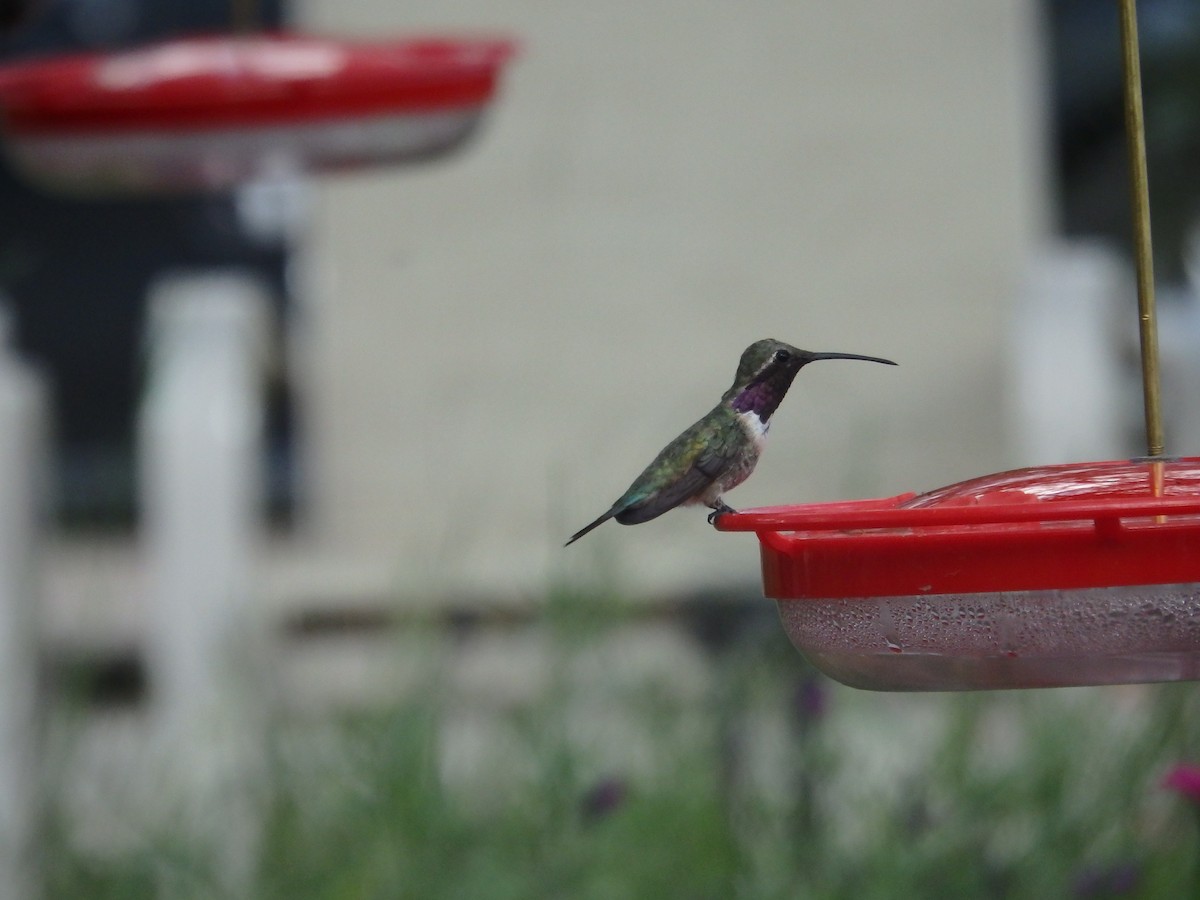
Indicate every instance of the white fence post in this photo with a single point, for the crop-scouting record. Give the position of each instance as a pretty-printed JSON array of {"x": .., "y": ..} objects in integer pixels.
[
  {"x": 22, "y": 447},
  {"x": 202, "y": 510}
]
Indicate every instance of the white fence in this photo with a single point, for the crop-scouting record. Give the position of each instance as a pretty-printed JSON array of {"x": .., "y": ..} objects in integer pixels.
[{"x": 201, "y": 507}]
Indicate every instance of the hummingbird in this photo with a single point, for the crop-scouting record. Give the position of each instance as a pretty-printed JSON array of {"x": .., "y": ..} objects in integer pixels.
[{"x": 718, "y": 452}]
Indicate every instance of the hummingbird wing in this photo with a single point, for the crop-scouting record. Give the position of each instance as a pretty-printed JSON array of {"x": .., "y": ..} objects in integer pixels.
[{"x": 685, "y": 468}]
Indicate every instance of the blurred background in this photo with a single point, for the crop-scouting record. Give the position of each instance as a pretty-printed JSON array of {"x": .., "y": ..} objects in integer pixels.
[{"x": 408, "y": 688}]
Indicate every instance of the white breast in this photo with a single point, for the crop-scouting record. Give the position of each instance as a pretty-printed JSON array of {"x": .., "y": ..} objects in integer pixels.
[{"x": 755, "y": 427}]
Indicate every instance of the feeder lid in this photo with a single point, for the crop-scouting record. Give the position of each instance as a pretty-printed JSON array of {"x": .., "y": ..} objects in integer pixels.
[
  {"x": 1079, "y": 525},
  {"x": 211, "y": 112}
]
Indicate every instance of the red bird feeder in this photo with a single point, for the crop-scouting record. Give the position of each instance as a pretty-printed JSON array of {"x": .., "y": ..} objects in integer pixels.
[
  {"x": 1086, "y": 573},
  {"x": 215, "y": 112}
]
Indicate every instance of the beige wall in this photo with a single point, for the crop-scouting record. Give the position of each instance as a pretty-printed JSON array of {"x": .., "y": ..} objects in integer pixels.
[{"x": 501, "y": 341}]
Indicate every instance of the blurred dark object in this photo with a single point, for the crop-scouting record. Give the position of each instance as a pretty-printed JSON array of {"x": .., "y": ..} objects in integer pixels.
[
  {"x": 110, "y": 680},
  {"x": 809, "y": 699},
  {"x": 1089, "y": 135},
  {"x": 604, "y": 798},
  {"x": 15, "y": 13},
  {"x": 1120, "y": 880},
  {"x": 722, "y": 616}
]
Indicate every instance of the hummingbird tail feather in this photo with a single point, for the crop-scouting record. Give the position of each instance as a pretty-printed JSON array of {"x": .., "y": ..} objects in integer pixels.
[{"x": 586, "y": 528}]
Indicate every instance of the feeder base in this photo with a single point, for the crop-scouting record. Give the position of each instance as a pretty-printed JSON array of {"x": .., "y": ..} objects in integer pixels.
[{"x": 936, "y": 672}]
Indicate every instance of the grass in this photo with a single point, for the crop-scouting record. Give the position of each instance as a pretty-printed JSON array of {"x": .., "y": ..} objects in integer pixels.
[{"x": 765, "y": 781}]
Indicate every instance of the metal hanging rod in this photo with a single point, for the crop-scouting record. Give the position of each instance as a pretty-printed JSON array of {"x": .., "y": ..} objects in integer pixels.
[{"x": 1135, "y": 137}]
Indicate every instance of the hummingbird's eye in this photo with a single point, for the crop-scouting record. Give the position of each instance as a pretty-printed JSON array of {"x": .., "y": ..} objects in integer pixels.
[{"x": 782, "y": 356}]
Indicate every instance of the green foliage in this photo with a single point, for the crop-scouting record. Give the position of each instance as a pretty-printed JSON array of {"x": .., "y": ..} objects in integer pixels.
[{"x": 769, "y": 783}]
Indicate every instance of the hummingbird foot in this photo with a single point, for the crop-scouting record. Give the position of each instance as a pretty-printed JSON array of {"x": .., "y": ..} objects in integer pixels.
[{"x": 719, "y": 509}]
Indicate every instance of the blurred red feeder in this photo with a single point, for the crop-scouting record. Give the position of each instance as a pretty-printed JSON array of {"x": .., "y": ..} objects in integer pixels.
[
  {"x": 213, "y": 112},
  {"x": 1087, "y": 573}
]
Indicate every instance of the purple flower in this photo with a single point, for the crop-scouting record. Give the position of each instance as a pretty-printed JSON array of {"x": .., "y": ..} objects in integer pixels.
[
  {"x": 808, "y": 699},
  {"x": 604, "y": 798},
  {"x": 1184, "y": 779},
  {"x": 1120, "y": 880}
]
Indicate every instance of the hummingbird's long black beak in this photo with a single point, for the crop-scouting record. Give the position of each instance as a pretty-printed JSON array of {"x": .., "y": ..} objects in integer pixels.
[{"x": 813, "y": 357}]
